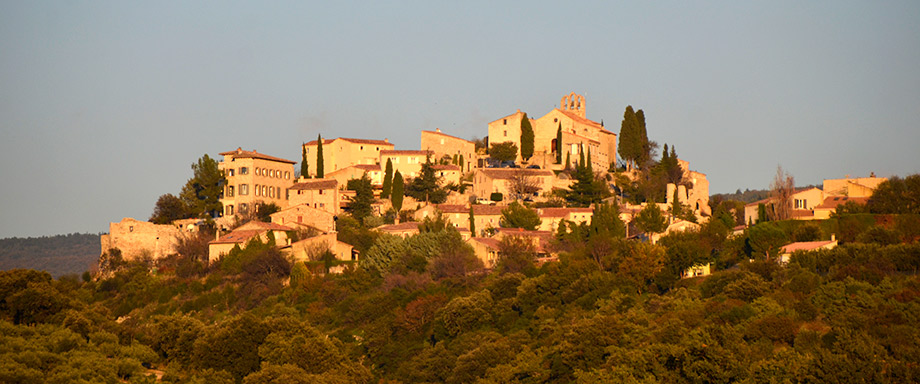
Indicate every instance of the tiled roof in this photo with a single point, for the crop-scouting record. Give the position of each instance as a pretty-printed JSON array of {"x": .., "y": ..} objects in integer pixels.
[
  {"x": 239, "y": 153},
  {"x": 404, "y": 152},
  {"x": 350, "y": 140},
  {"x": 237, "y": 237},
  {"x": 368, "y": 167},
  {"x": 833, "y": 201},
  {"x": 583, "y": 120},
  {"x": 804, "y": 246},
  {"x": 523, "y": 232},
  {"x": 407, "y": 226},
  {"x": 261, "y": 225},
  {"x": 445, "y": 167},
  {"x": 446, "y": 135},
  {"x": 487, "y": 241},
  {"x": 507, "y": 173},
  {"x": 452, "y": 208},
  {"x": 562, "y": 212},
  {"x": 487, "y": 210},
  {"x": 309, "y": 184}
]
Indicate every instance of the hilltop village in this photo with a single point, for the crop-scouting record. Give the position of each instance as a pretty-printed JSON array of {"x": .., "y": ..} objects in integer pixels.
[{"x": 531, "y": 179}]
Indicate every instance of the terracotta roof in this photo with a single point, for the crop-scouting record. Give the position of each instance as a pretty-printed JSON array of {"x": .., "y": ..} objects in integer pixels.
[
  {"x": 445, "y": 167},
  {"x": 237, "y": 237},
  {"x": 368, "y": 167},
  {"x": 833, "y": 201},
  {"x": 350, "y": 140},
  {"x": 446, "y": 135},
  {"x": 487, "y": 210},
  {"x": 407, "y": 226},
  {"x": 513, "y": 114},
  {"x": 309, "y": 184},
  {"x": 239, "y": 153},
  {"x": 452, "y": 208},
  {"x": 805, "y": 246},
  {"x": 507, "y": 173},
  {"x": 583, "y": 120},
  {"x": 802, "y": 213},
  {"x": 562, "y": 212},
  {"x": 405, "y": 152},
  {"x": 487, "y": 241},
  {"x": 261, "y": 225},
  {"x": 564, "y": 133}
]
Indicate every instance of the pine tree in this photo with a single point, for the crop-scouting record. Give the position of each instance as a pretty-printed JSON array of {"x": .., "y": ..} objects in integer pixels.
[
  {"x": 387, "y": 180},
  {"x": 304, "y": 167},
  {"x": 559, "y": 144},
  {"x": 360, "y": 204},
  {"x": 319, "y": 158},
  {"x": 398, "y": 191},
  {"x": 527, "y": 138}
]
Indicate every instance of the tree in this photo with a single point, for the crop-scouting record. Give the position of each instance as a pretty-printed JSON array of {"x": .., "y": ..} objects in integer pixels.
[
  {"x": 506, "y": 151},
  {"x": 782, "y": 189},
  {"x": 398, "y": 191},
  {"x": 587, "y": 188},
  {"x": 650, "y": 220},
  {"x": 516, "y": 254},
  {"x": 644, "y": 146},
  {"x": 201, "y": 194},
  {"x": 606, "y": 221},
  {"x": 168, "y": 208},
  {"x": 360, "y": 204},
  {"x": 526, "y": 138},
  {"x": 519, "y": 216},
  {"x": 559, "y": 144},
  {"x": 896, "y": 195},
  {"x": 425, "y": 187},
  {"x": 522, "y": 184},
  {"x": 320, "y": 163},
  {"x": 472, "y": 222},
  {"x": 766, "y": 240},
  {"x": 304, "y": 166},
  {"x": 628, "y": 147},
  {"x": 387, "y": 180}
]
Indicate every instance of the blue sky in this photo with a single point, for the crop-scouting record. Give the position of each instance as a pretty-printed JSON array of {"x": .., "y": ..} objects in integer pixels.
[{"x": 105, "y": 104}]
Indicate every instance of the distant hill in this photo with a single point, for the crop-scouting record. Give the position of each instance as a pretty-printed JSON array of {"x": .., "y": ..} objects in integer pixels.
[
  {"x": 58, "y": 255},
  {"x": 750, "y": 196}
]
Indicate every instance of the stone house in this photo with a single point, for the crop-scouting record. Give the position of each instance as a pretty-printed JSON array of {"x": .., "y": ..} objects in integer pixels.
[
  {"x": 310, "y": 249},
  {"x": 344, "y": 152},
  {"x": 407, "y": 162},
  {"x": 305, "y": 215},
  {"x": 502, "y": 180},
  {"x": 373, "y": 172},
  {"x": 442, "y": 145},
  {"x": 830, "y": 204},
  {"x": 322, "y": 194},
  {"x": 244, "y": 233},
  {"x": 136, "y": 238},
  {"x": 402, "y": 229},
  {"x": 253, "y": 178},
  {"x": 803, "y": 202},
  {"x": 855, "y": 187},
  {"x": 447, "y": 174},
  {"x": 552, "y": 216},
  {"x": 804, "y": 246}
]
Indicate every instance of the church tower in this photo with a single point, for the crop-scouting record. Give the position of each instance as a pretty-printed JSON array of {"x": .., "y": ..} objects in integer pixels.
[{"x": 573, "y": 103}]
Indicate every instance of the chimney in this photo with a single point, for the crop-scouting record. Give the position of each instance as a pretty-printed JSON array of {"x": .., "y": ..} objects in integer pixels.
[
  {"x": 386, "y": 140},
  {"x": 438, "y": 130},
  {"x": 833, "y": 237}
]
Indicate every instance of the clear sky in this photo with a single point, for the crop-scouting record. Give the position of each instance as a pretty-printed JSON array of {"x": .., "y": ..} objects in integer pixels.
[{"x": 105, "y": 104}]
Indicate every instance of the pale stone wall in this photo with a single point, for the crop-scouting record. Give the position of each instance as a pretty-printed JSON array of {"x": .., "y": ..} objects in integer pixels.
[
  {"x": 136, "y": 238},
  {"x": 855, "y": 187},
  {"x": 489, "y": 180},
  {"x": 507, "y": 129},
  {"x": 441, "y": 144},
  {"x": 343, "y": 152},
  {"x": 322, "y": 194},
  {"x": 373, "y": 172},
  {"x": 312, "y": 247},
  {"x": 304, "y": 214},
  {"x": 252, "y": 179},
  {"x": 447, "y": 174},
  {"x": 408, "y": 163}
]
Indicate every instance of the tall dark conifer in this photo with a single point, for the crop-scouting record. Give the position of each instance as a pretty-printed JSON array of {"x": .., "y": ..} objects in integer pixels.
[
  {"x": 319, "y": 157},
  {"x": 527, "y": 138},
  {"x": 559, "y": 144},
  {"x": 304, "y": 166},
  {"x": 387, "y": 180}
]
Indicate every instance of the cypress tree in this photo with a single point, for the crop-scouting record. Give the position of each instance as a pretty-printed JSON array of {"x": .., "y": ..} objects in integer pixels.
[
  {"x": 304, "y": 167},
  {"x": 665, "y": 157},
  {"x": 461, "y": 164},
  {"x": 319, "y": 157},
  {"x": 643, "y": 146},
  {"x": 527, "y": 138},
  {"x": 387, "y": 180},
  {"x": 398, "y": 192},
  {"x": 568, "y": 160},
  {"x": 559, "y": 144},
  {"x": 627, "y": 139},
  {"x": 472, "y": 222}
]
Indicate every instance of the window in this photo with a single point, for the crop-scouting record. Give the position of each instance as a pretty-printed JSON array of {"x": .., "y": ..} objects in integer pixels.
[
  {"x": 505, "y": 122},
  {"x": 320, "y": 191},
  {"x": 244, "y": 208},
  {"x": 442, "y": 141},
  {"x": 258, "y": 190},
  {"x": 258, "y": 171},
  {"x": 555, "y": 120},
  {"x": 362, "y": 147},
  {"x": 131, "y": 228},
  {"x": 506, "y": 133},
  {"x": 244, "y": 189},
  {"x": 228, "y": 210},
  {"x": 287, "y": 175},
  {"x": 230, "y": 172},
  {"x": 278, "y": 192},
  {"x": 801, "y": 203},
  {"x": 229, "y": 191},
  {"x": 244, "y": 170}
]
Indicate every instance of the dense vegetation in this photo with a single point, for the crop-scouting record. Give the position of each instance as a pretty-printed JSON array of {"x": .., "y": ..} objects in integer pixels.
[
  {"x": 58, "y": 255},
  {"x": 423, "y": 310}
]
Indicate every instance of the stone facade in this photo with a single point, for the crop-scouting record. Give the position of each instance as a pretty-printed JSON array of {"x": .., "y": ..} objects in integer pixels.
[
  {"x": 136, "y": 238},
  {"x": 447, "y": 174},
  {"x": 454, "y": 147},
  {"x": 579, "y": 134},
  {"x": 306, "y": 215},
  {"x": 374, "y": 173},
  {"x": 343, "y": 152},
  {"x": 855, "y": 187},
  {"x": 254, "y": 178},
  {"x": 489, "y": 180},
  {"x": 322, "y": 194},
  {"x": 407, "y": 162},
  {"x": 310, "y": 249},
  {"x": 552, "y": 216},
  {"x": 242, "y": 234}
]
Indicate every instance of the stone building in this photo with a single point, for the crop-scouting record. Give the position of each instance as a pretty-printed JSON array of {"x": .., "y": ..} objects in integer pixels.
[
  {"x": 373, "y": 172},
  {"x": 407, "y": 162},
  {"x": 502, "y": 180},
  {"x": 852, "y": 187},
  {"x": 579, "y": 134},
  {"x": 244, "y": 233},
  {"x": 305, "y": 215},
  {"x": 455, "y": 148},
  {"x": 136, "y": 238},
  {"x": 692, "y": 192},
  {"x": 550, "y": 217},
  {"x": 254, "y": 178},
  {"x": 322, "y": 194},
  {"x": 344, "y": 152}
]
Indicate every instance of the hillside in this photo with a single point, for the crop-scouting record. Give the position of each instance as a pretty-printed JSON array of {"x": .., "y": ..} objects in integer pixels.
[{"x": 58, "y": 255}]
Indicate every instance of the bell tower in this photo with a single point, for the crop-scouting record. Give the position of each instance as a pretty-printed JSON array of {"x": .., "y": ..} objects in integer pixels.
[{"x": 573, "y": 103}]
